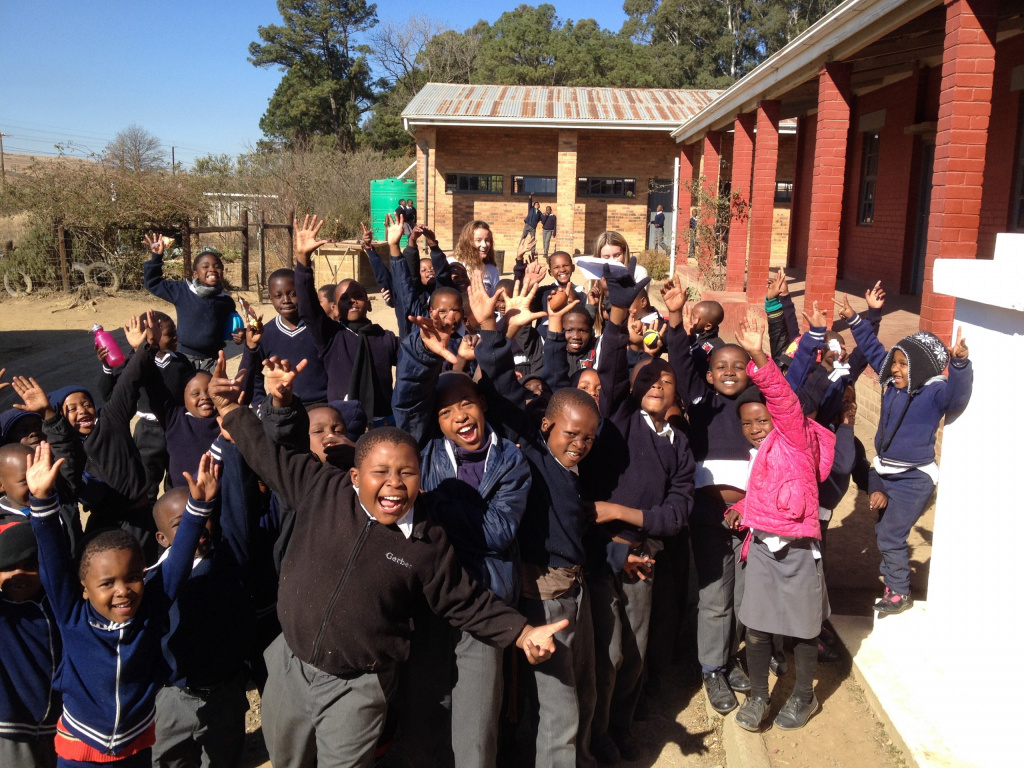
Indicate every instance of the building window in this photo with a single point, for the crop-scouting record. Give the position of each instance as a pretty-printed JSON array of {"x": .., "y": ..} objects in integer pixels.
[
  {"x": 535, "y": 185},
  {"x": 479, "y": 183},
  {"x": 868, "y": 177},
  {"x": 783, "y": 191},
  {"x": 1017, "y": 214},
  {"x": 591, "y": 187}
]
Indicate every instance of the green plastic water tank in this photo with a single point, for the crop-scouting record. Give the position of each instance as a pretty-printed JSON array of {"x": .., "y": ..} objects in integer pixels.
[{"x": 384, "y": 197}]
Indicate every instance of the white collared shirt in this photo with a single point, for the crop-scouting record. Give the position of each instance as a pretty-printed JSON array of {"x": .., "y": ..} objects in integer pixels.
[
  {"x": 574, "y": 469},
  {"x": 404, "y": 524},
  {"x": 665, "y": 431}
]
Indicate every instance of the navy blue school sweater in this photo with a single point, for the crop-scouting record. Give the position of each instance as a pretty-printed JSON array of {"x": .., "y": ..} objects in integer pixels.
[
  {"x": 481, "y": 514},
  {"x": 201, "y": 321},
  {"x": 556, "y": 518},
  {"x": 210, "y": 624},
  {"x": 105, "y": 469},
  {"x": 110, "y": 672},
  {"x": 339, "y": 348},
  {"x": 30, "y": 650},
  {"x": 188, "y": 438},
  {"x": 719, "y": 447},
  {"x": 832, "y": 489},
  {"x": 907, "y": 426},
  {"x": 164, "y": 381},
  {"x": 651, "y": 472},
  {"x": 292, "y": 344}
]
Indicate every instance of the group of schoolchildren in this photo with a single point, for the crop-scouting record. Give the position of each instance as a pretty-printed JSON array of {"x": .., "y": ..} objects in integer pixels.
[{"x": 367, "y": 522}]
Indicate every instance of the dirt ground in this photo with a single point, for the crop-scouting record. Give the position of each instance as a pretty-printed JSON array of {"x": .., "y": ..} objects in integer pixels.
[{"x": 44, "y": 337}]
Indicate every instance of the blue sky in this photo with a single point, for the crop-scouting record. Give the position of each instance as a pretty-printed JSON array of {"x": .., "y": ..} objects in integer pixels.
[{"x": 81, "y": 70}]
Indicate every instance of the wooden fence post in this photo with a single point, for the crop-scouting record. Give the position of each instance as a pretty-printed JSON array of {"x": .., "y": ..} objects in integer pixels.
[
  {"x": 263, "y": 253},
  {"x": 186, "y": 250},
  {"x": 244, "y": 221},
  {"x": 62, "y": 251},
  {"x": 291, "y": 239}
]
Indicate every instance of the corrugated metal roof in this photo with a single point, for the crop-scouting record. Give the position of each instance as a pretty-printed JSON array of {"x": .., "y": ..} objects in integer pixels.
[{"x": 445, "y": 103}]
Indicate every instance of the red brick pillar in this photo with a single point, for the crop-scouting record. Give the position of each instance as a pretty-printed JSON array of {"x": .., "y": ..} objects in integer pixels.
[
  {"x": 832, "y": 132},
  {"x": 711, "y": 166},
  {"x": 762, "y": 200},
  {"x": 965, "y": 103},
  {"x": 684, "y": 203},
  {"x": 566, "y": 237},
  {"x": 742, "y": 168}
]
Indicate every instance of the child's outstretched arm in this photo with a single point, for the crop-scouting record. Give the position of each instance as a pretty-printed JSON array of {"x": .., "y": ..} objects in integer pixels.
[
  {"x": 422, "y": 355},
  {"x": 960, "y": 382},
  {"x": 807, "y": 349},
  {"x": 153, "y": 272},
  {"x": 202, "y": 495},
  {"x": 321, "y": 327},
  {"x": 555, "y": 352},
  {"x": 865, "y": 335},
  {"x": 691, "y": 386},
  {"x": 55, "y": 565}
]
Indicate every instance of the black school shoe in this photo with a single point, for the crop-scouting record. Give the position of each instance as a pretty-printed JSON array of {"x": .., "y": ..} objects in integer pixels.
[
  {"x": 737, "y": 678},
  {"x": 778, "y": 665},
  {"x": 604, "y": 750},
  {"x": 795, "y": 713},
  {"x": 722, "y": 699},
  {"x": 753, "y": 713},
  {"x": 892, "y": 603}
]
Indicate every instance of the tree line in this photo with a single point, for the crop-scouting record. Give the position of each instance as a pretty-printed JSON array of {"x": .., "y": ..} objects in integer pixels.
[{"x": 329, "y": 51}]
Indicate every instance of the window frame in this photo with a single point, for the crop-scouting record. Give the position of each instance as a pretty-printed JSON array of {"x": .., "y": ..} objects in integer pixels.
[
  {"x": 625, "y": 181},
  {"x": 456, "y": 190},
  {"x": 524, "y": 177},
  {"x": 785, "y": 188},
  {"x": 868, "y": 187},
  {"x": 1017, "y": 201}
]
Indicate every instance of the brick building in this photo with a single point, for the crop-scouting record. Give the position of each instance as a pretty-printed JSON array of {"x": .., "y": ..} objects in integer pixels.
[
  {"x": 602, "y": 158},
  {"x": 910, "y": 146}
]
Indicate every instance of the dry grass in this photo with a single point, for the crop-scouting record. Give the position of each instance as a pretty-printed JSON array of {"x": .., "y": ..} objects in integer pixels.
[{"x": 14, "y": 227}]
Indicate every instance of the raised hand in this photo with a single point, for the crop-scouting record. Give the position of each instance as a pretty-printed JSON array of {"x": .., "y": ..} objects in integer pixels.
[
  {"x": 538, "y": 642},
  {"x": 366, "y": 238},
  {"x": 817, "y": 318},
  {"x": 848, "y": 414},
  {"x": 278, "y": 378},
  {"x": 254, "y": 332},
  {"x": 33, "y": 397},
  {"x": 535, "y": 272},
  {"x": 134, "y": 331},
  {"x": 226, "y": 393},
  {"x": 658, "y": 326},
  {"x": 777, "y": 284},
  {"x": 845, "y": 310},
  {"x": 41, "y": 471},
  {"x": 305, "y": 237},
  {"x": 154, "y": 329},
  {"x": 674, "y": 295},
  {"x": 428, "y": 234},
  {"x": 751, "y": 336},
  {"x": 958, "y": 350},
  {"x": 555, "y": 318},
  {"x": 435, "y": 337},
  {"x": 467, "y": 347},
  {"x": 394, "y": 227},
  {"x": 203, "y": 487},
  {"x": 526, "y": 244},
  {"x": 3, "y": 384},
  {"x": 481, "y": 305},
  {"x": 875, "y": 296},
  {"x": 155, "y": 243}
]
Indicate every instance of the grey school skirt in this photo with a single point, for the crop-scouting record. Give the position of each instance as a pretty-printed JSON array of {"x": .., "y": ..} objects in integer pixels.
[{"x": 785, "y": 592}]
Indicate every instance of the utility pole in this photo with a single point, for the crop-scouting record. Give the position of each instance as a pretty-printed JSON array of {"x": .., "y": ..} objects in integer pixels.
[
  {"x": 172, "y": 162},
  {"x": 3, "y": 173}
]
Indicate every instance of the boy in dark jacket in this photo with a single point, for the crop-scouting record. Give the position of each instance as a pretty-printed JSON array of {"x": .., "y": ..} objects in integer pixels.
[
  {"x": 31, "y": 643},
  {"x": 358, "y": 355},
  {"x": 204, "y": 310},
  {"x": 346, "y": 630},
  {"x": 112, "y": 666},
  {"x": 476, "y": 484}
]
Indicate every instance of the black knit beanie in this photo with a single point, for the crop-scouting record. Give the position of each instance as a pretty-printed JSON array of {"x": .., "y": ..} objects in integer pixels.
[
  {"x": 927, "y": 357},
  {"x": 17, "y": 543}
]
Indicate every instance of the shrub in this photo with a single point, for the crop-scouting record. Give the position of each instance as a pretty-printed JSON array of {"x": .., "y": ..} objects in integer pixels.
[{"x": 655, "y": 262}]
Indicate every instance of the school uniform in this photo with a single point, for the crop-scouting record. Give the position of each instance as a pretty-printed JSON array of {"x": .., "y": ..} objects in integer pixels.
[
  {"x": 904, "y": 467},
  {"x": 292, "y": 344},
  {"x": 479, "y": 499},
  {"x": 29, "y": 702},
  {"x": 551, "y": 547},
  {"x": 358, "y": 362},
  {"x": 721, "y": 453},
  {"x": 640, "y": 466},
  {"x": 110, "y": 672},
  {"x": 346, "y": 629},
  {"x": 202, "y": 320}
]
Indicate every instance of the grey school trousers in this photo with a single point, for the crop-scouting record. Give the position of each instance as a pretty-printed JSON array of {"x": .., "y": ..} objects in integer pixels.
[
  {"x": 200, "y": 728},
  {"x": 312, "y": 719},
  {"x": 720, "y": 577},
  {"x": 564, "y": 683},
  {"x": 34, "y": 753},
  {"x": 622, "y": 620}
]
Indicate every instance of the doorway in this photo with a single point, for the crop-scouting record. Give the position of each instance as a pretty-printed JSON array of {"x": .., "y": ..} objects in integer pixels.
[
  {"x": 924, "y": 205},
  {"x": 659, "y": 192}
]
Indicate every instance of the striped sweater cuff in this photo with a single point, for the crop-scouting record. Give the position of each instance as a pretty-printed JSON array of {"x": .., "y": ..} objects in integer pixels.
[
  {"x": 45, "y": 506},
  {"x": 201, "y": 508},
  {"x": 772, "y": 306},
  {"x": 855, "y": 320},
  {"x": 817, "y": 332}
]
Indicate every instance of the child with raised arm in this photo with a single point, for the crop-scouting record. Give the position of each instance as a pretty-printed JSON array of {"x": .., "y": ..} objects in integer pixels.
[
  {"x": 916, "y": 396},
  {"x": 204, "y": 310},
  {"x": 112, "y": 622},
  {"x": 358, "y": 355},
  {"x": 785, "y": 590},
  {"x": 722, "y": 455},
  {"x": 476, "y": 485},
  {"x": 550, "y": 536},
  {"x": 31, "y": 646},
  {"x": 648, "y": 468}
]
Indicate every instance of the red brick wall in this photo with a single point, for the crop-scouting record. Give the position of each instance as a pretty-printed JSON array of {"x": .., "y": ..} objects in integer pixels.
[
  {"x": 1003, "y": 145},
  {"x": 800, "y": 217},
  {"x": 875, "y": 252}
]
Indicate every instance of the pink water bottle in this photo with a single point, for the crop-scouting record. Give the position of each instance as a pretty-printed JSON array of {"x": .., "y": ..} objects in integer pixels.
[{"x": 103, "y": 339}]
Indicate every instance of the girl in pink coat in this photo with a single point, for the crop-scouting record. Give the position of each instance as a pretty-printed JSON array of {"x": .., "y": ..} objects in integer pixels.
[{"x": 785, "y": 591}]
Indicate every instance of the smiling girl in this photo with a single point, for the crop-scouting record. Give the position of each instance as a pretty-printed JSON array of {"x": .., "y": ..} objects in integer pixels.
[{"x": 475, "y": 250}]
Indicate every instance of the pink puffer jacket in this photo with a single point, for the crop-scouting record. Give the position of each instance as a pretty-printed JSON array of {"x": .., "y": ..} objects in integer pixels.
[{"x": 782, "y": 492}]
